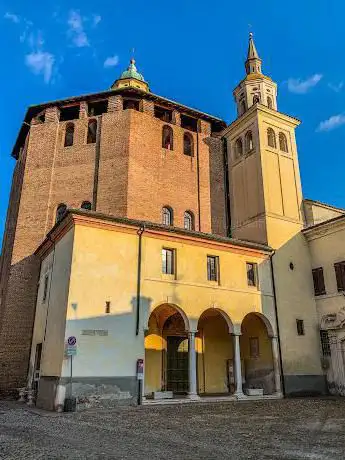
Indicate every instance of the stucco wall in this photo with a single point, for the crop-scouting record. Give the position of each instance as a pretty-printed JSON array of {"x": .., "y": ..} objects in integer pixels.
[
  {"x": 315, "y": 212},
  {"x": 50, "y": 316},
  {"x": 327, "y": 248},
  {"x": 295, "y": 300},
  {"x": 106, "y": 262}
]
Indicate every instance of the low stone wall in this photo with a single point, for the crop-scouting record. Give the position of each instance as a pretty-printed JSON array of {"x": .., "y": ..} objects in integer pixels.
[
  {"x": 305, "y": 385},
  {"x": 260, "y": 378},
  {"x": 102, "y": 391}
]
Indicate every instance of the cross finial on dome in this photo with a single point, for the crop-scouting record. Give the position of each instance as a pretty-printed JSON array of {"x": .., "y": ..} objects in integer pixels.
[{"x": 131, "y": 78}]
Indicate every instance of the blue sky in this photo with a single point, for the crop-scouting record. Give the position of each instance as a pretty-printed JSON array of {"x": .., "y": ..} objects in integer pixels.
[{"x": 191, "y": 51}]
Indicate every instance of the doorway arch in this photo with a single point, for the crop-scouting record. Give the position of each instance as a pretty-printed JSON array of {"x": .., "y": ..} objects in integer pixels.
[
  {"x": 166, "y": 350},
  {"x": 215, "y": 357},
  {"x": 256, "y": 352}
]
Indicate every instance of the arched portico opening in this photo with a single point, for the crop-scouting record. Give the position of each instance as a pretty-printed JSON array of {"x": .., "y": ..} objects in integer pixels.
[
  {"x": 166, "y": 351},
  {"x": 215, "y": 353},
  {"x": 256, "y": 353}
]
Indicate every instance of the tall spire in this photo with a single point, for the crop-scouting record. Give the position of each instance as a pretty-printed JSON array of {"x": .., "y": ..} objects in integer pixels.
[{"x": 253, "y": 62}]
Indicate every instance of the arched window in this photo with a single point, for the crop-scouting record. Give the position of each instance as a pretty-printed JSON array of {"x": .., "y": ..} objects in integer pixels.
[
  {"x": 69, "y": 134},
  {"x": 188, "y": 144},
  {"x": 283, "y": 146},
  {"x": 86, "y": 205},
  {"x": 188, "y": 220},
  {"x": 238, "y": 148},
  {"x": 256, "y": 99},
  {"x": 269, "y": 102},
  {"x": 92, "y": 132},
  {"x": 242, "y": 107},
  {"x": 167, "y": 216},
  {"x": 60, "y": 212},
  {"x": 271, "y": 138},
  {"x": 167, "y": 138},
  {"x": 249, "y": 141}
]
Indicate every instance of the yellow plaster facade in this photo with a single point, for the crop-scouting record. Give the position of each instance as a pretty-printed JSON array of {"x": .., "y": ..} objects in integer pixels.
[
  {"x": 97, "y": 254},
  {"x": 326, "y": 248}
]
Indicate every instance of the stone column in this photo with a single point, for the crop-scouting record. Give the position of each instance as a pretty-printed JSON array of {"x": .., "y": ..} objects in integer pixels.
[
  {"x": 83, "y": 110},
  {"x": 238, "y": 369},
  {"x": 192, "y": 394},
  {"x": 276, "y": 366},
  {"x": 115, "y": 103},
  {"x": 52, "y": 115},
  {"x": 176, "y": 118},
  {"x": 147, "y": 107}
]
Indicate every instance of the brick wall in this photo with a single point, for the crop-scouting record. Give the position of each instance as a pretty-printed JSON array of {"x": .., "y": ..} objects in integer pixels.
[
  {"x": 217, "y": 184},
  {"x": 159, "y": 177}
]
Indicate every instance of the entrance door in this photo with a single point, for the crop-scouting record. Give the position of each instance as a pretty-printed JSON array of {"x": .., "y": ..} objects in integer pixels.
[{"x": 177, "y": 364}]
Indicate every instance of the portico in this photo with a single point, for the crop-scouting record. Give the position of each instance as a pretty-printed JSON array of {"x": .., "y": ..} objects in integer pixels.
[{"x": 185, "y": 358}]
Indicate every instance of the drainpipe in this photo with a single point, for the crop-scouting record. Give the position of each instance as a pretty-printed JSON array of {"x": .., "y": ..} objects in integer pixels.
[
  {"x": 140, "y": 234},
  {"x": 198, "y": 175},
  {"x": 277, "y": 321}
]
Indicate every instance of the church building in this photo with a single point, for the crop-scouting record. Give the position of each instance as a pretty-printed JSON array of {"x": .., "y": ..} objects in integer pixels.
[{"x": 153, "y": 252}]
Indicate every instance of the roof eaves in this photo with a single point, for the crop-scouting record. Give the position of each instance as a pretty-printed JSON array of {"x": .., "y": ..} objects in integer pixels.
[
  {"x": 176, "y": 230},
  {"x": 324, "y": 223}
]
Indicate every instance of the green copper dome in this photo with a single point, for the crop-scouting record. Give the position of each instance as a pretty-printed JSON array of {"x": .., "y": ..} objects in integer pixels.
[{"x": 132, "y": 72}]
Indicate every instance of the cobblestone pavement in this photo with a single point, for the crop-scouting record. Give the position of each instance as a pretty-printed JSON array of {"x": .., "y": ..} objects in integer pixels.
[{"x": 286, "y": 429}]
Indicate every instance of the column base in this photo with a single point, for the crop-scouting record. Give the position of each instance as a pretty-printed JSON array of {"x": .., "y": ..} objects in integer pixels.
[
  {"x": 240, "y": 395},
  {"x": 193, "y": 396}
]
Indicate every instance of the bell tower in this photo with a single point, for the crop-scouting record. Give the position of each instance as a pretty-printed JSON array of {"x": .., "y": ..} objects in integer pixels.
[
  {"x": 266, "y": 206},
  {"x": 255, "y": 87},
  {"x": 265, "y": 185}
]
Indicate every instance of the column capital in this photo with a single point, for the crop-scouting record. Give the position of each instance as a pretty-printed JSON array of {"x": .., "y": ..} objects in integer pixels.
[
  {"x": 192, "y": 331},
  {"x": 237, "y": 329},
  {"x": 236, "y": 333}
]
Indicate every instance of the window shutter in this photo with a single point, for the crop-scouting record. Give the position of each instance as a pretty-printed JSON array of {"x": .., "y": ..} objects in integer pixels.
[
  {"x": 319, "y": 282},
  {"x": 339, "y": 273},
  {"x": 322, "y": 287}
]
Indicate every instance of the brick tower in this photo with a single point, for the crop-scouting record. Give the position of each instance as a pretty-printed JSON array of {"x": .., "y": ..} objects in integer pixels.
[{"x": 125, "y": 152}]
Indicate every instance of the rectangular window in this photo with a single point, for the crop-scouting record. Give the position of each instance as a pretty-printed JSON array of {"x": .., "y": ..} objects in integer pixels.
[
  {"x": 339, "y": 268},
  {"x": 97, "y": 108},
  {"x": 252, "y": 274},
  {"x": 300, "y": 326},
  {"x": 70, "y": 112},
  {"x": 319, "y": 282},
  {"x": 326, "y": 349},
  {"x": 168, "y": 261},
  {"x": 163, "y": 114},
  {"x": 45, "y": 288},
  {"x": 213, "y": 268},
  {"x": 254, "y": 347},
  {"x": 189, "y": 123}
]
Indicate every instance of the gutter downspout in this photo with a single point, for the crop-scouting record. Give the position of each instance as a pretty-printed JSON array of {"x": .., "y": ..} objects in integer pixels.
[
  {"x": 140, "y": 234},
  {"x": 277, "y": 321}
]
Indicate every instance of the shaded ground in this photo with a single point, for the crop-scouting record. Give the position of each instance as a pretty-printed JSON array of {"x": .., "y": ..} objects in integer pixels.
[{"x": 286, "y": 429}]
